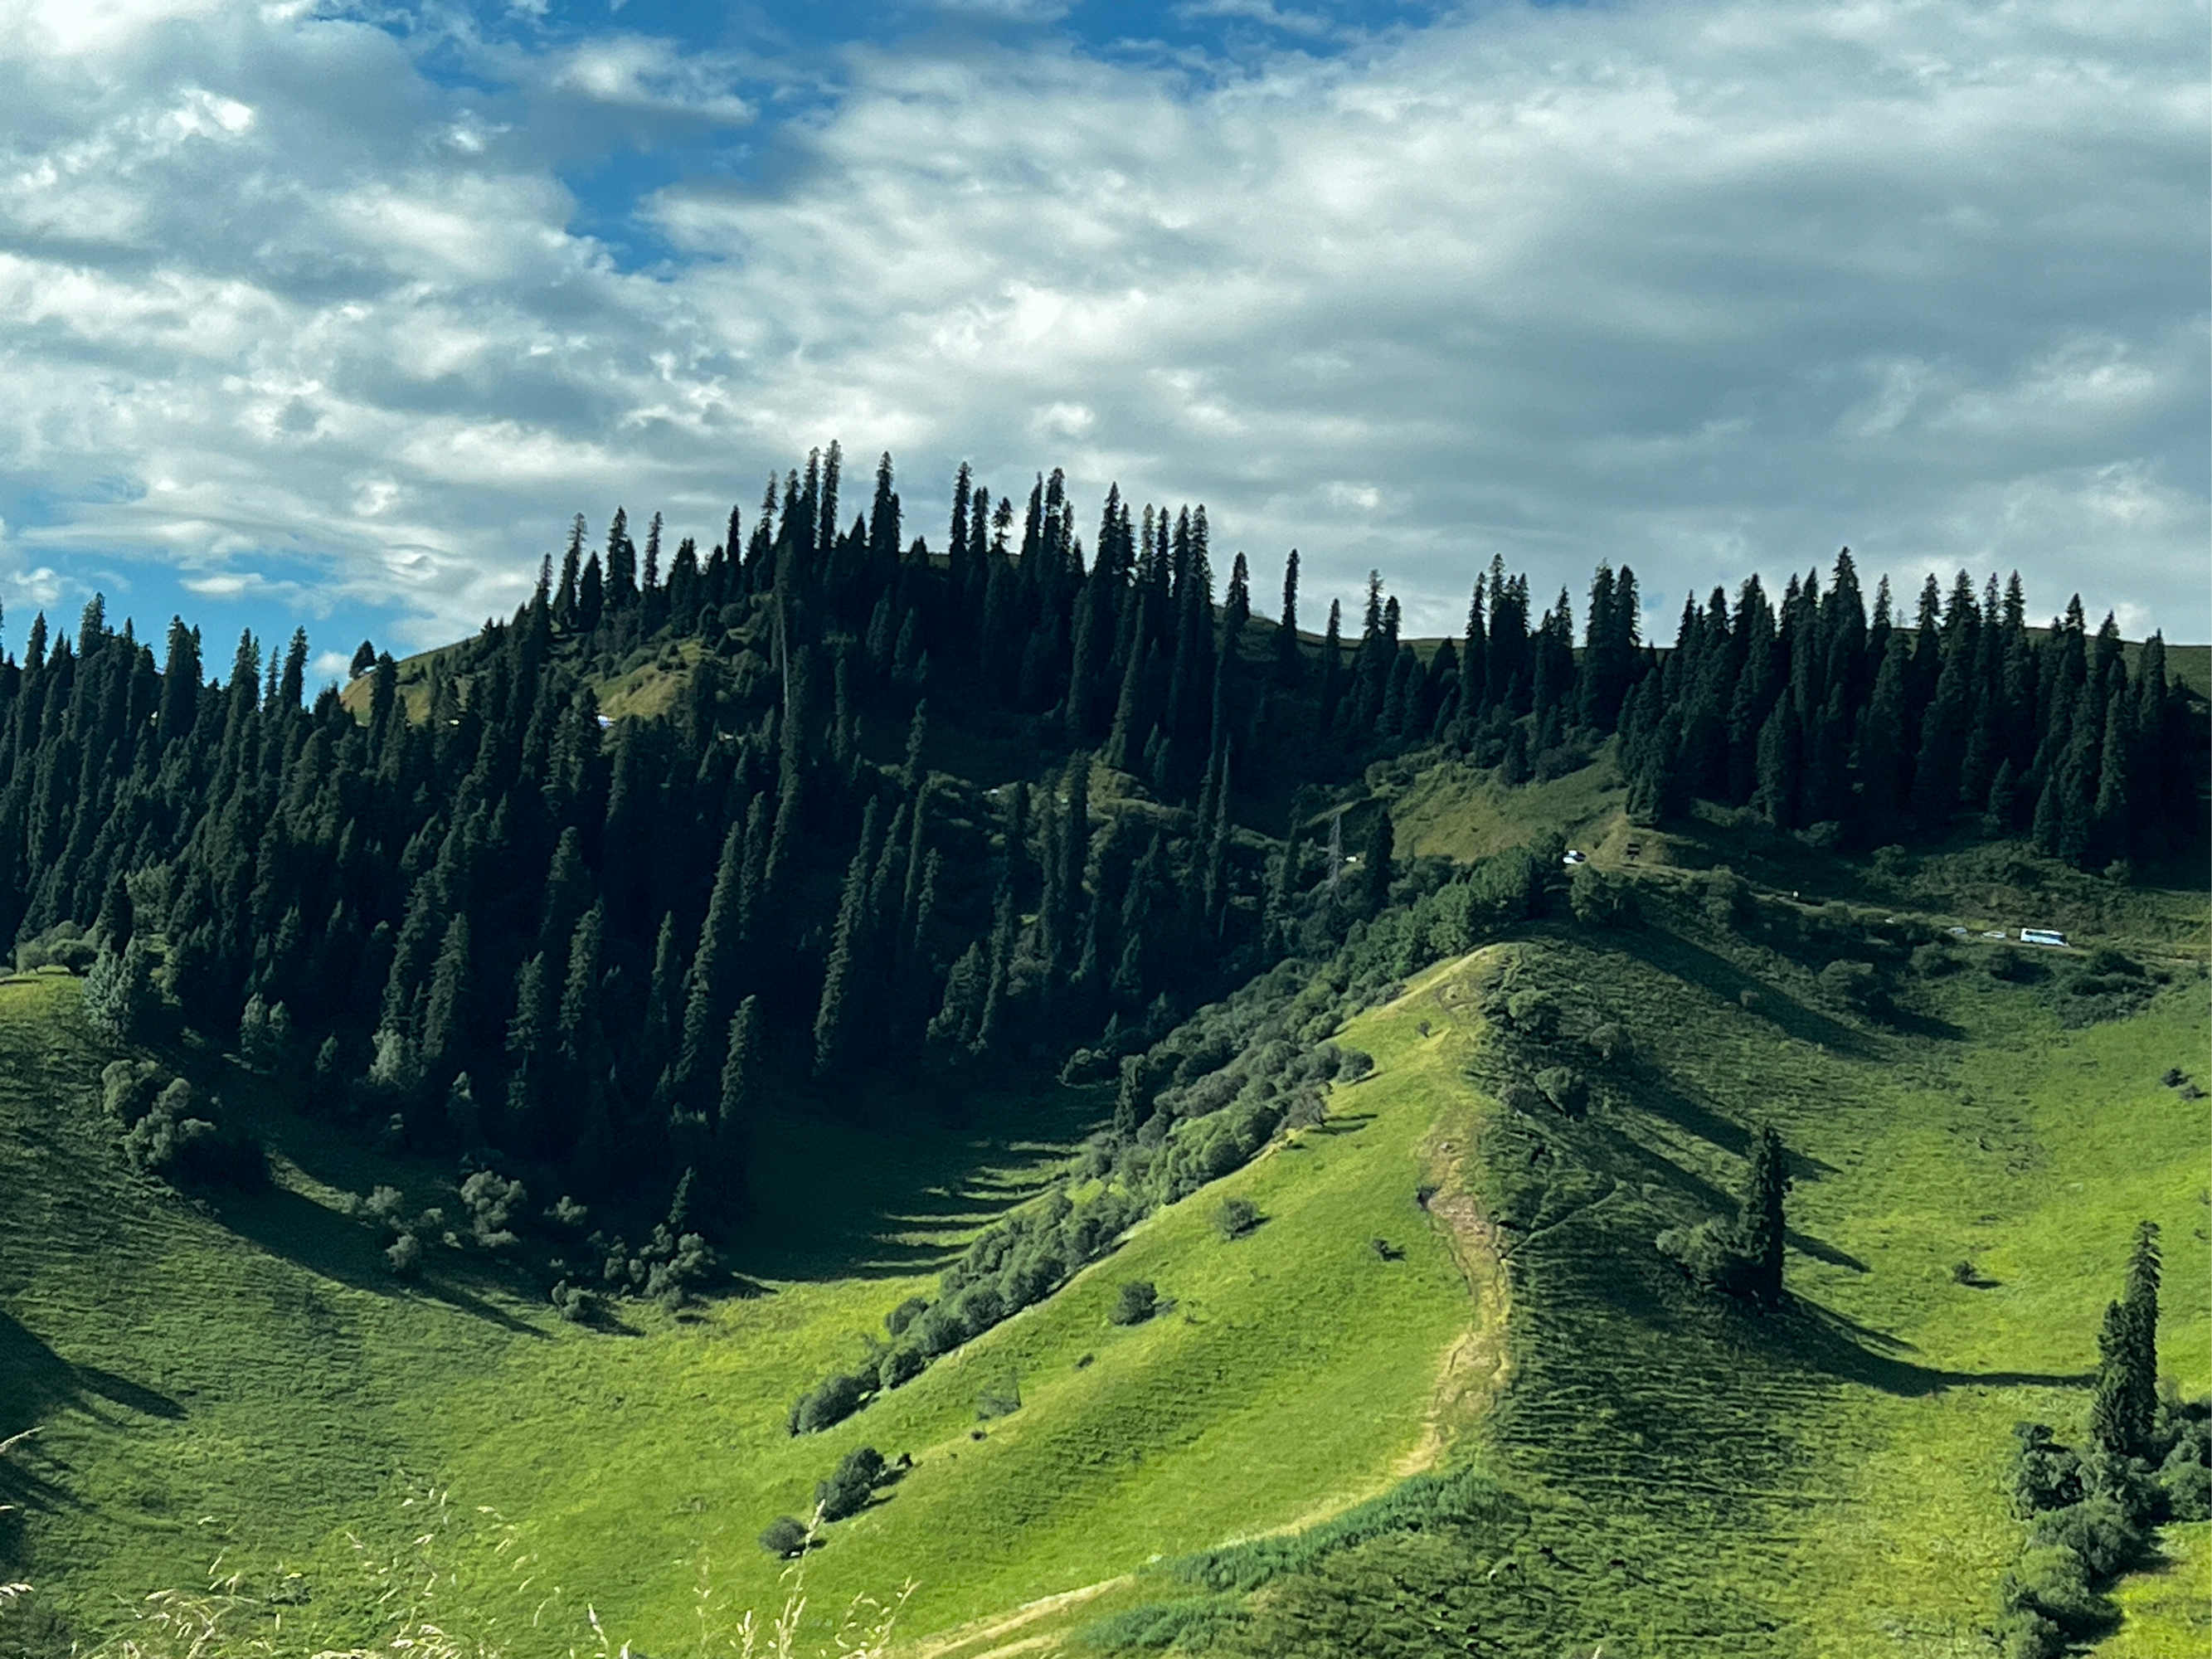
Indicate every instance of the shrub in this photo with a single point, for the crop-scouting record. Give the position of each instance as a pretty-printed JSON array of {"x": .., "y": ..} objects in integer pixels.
[
  {"x": 1353, "y": 1065},
  {"x": 1305, "y": 1106},
  {"x": 2186, "y": 1477},
  {"x": 783, "y": 1537},
  {"x": 1235, "y": 1217},
  {"x": 2046, "y": 1475},
  {"x": 2025, "y": 1635},
  {"x": 404, "y": 1255},
  {"x": 1854, "y": 984},
  {"x": 2096, "y": 1529},
  {"x": 904, "y": 1315},
  {"x": 1564, "y": 1088},
  {"x": 939, "y": 1330},
  {"x": 127, "y": 1088},
  {"x": 831, "y": 1401},
  {"x": 978, "y": 1307},
  {"x": 900, "y": 1365},
  {"x": 2050, "y": 1581},
  {"x": 1611, "y": 1042},
  {"x": 1526, "y": 1098},
  {"x": 491, "y": 1201},
  {"x": 1533, "y": 1013},
  {"x": 189, "y": 1150},
  {"x": 1137, "y": 1302},
  {"x": 1707, "y": 1254},
  {"x": 851, "y": 1484},
  {"x": 61, "y": 945},
  {"x": 1727, "y": 898},
  {"x": 571, "y": 1301},
  {"x": 1597, "y": 900}
]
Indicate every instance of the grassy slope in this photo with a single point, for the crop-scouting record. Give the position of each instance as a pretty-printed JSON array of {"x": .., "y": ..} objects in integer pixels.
[
  {"x": 1823, "y": 1486},
  {"x": 1828, "y": 1483},
  {"x": 268, "y": 1384}
]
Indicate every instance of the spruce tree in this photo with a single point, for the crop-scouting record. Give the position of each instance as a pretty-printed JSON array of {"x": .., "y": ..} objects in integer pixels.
[
  {"x": 1288, "y": 661},
  {"x": 2124, "y": 1410},
  {"x": 739, "y": 1102},
  {"x": 838, "y": 1009},
  {"x": 1761, "y": 1226},
  {"x": 445, "y": 1017},
  {"x": 713, "y": 970},
  {"x": 622, "y": 563},
  {"x": 1374, "y": 864},
  {"x": 2111, "y": 1403}
]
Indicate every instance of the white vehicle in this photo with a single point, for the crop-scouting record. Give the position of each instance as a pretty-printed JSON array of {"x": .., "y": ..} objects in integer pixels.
[
  {"x": 2041, "y": 936},
  {"x": 1574, "y": 858},
  {"x": 1993, "y": 933}
]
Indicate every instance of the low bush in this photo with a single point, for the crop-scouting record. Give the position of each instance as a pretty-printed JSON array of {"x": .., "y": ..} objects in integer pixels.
[
  {"x": 1854, "y": 984},
  {"x": 2046, "y": 1475},
  {"x": 127, "y": 1088},
  {"x": 1138, "y": 1302},
  {"x": 2186, "y": 1476},
  {"x": 851, "y": 1484},
  {"x": 2049, "y": 1584},
  {"x": 189, "y": 1149},
  {"x": 1707, "y": 1254},
  {"x": 1599, "y": 900},
  {"x": 492, "y": 1201},
  {"x": 831, "y": 1401},
  {"x": 61, "y": 945},
  {"x": 2097, "y": 1530},
  {"x": 1233, "y": 1218},
  {"x": 1533, "y": 1013},
  {"x": 1564, "y": 1088},
  {"x": 784, "y": 1537}
]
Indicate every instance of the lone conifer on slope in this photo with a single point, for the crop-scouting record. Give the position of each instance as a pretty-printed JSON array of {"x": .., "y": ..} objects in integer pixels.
[
  {"x": 1761, "y": 1228},
  {"x": 2122, "y": 1411}
]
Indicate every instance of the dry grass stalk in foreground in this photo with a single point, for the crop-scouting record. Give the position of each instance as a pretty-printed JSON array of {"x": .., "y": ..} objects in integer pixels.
[{"x": 425, "y": 1600}]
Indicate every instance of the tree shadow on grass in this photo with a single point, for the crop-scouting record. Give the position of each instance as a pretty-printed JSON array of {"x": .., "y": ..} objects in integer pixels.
[
  {"x": 36, "y": 1383},
  {"x": 1806, "y": 1244},
  {"x": 295, "y": 1228},
  {"x": 131, "y": 1396},
  {"x": 1670, "y": 953},
  {"x": 1341, "y": 1123},
  {"x": 1839, "y": 1346}
]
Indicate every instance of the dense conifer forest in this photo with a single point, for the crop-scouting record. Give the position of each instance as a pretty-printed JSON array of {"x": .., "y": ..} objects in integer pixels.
[{"x": 917, "y": 811}]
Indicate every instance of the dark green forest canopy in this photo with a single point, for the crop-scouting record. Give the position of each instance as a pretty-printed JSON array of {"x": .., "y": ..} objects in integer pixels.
[{"x": 919, "y": 811}]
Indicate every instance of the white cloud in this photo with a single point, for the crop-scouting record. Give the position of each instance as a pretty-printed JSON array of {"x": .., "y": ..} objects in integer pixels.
[
  {"x": 1699, "y": 287},
  {"x": 640, "y": 73}
]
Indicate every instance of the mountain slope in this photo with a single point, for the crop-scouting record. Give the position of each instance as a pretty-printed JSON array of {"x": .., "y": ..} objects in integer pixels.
[{"x": 630, "y": 1464}]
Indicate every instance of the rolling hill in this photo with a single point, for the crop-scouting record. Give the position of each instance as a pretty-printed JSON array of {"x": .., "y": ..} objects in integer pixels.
[{"x": 1438, "y": 1282}]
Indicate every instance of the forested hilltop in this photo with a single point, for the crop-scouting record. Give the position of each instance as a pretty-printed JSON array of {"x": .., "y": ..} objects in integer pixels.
[{"x": 920, "y": 811}]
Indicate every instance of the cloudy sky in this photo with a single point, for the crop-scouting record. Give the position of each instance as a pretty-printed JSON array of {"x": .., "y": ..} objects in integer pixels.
[{"x": 337, "y": 312}]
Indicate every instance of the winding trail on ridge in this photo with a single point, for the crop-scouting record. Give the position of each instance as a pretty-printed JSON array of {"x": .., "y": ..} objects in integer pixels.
[{"x": 1473, "y": 1371}]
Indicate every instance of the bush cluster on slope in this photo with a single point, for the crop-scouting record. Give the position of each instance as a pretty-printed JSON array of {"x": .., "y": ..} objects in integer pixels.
[{"x": 2091, "y": 1511}]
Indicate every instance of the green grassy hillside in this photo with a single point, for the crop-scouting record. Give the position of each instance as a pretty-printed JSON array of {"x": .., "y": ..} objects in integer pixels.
[
  {"x": 1827, "y": 1481},
  {"x": 245, "y": 1383},
  {"x": 248, "y": 1381}
]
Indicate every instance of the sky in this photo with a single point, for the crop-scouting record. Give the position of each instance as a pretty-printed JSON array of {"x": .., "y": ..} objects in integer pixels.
[{"x": 334, "y": 314}]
